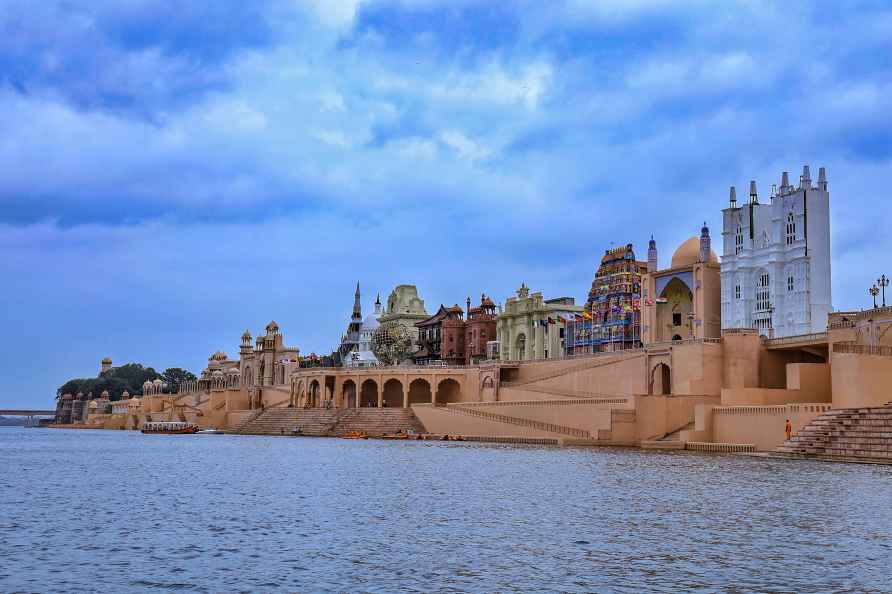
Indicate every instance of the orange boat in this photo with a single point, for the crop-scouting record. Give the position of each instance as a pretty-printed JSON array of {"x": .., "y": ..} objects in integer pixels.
[
  {"x": 396, "y": 436},
  {"x": 355, "y": 435}
]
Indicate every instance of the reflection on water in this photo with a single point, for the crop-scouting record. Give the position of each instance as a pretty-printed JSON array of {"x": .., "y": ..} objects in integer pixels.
[{"x": 120, "y": 511}]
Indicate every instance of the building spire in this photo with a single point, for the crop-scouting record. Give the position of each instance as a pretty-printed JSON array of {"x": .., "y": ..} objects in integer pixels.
[
  {"x": 652, "y": 255},
  {"x": 822, "y": 179},
  {"x": 754, "y": 196},
  {"x": 705, "y": 246},
  {"x": 357, "y": 306},
  {"x": 733, "y": 197},
  {"x": 806, "y": 177},
  {"x": 785, "y": 183}
]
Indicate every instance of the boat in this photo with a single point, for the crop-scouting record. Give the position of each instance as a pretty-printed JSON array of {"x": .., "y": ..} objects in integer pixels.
[
  {"x": 170, "y": 427},
  {"x": 355, "y": 435},
  {"x": 396, "y": 436},
  {"x": 210, "y": 431}
]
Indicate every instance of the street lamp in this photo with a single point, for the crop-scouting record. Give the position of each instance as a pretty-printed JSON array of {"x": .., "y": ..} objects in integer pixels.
[
  {"x": 883, "y": 282},
  {"x": 874, "y": 291}
]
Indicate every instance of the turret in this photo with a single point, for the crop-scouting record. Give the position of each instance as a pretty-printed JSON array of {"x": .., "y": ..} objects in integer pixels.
[
  {"x": 822, "y": 179},
  {"x": 469, "y": 304},
  {"x": 754, "y": 196},
  {"x": 378, "y": 304},
  {"x": 805, "y": 181},
  {"x": 652, "y": 252},
  {"x": 704, "y": 243},
  {"x": 785, "y": 183},
  {"x": 733, "y": 197}
]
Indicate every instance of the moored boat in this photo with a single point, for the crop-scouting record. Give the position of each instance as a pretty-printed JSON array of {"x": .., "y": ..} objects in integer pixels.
[
  {"x": 210, "y": 431},
  {"x": 170, "y": 427},
  {"x": 355, "y": 435}
]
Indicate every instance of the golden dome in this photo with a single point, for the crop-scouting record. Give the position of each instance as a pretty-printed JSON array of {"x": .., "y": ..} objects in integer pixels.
[{"x": 688, "y": 254}]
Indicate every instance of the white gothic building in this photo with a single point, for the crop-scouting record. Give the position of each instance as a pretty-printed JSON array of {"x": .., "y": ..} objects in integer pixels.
[{"x": 776, "y": 259}]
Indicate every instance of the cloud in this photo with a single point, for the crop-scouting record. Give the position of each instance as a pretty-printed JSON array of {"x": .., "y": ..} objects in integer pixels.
[{"x": 463, "y": 145}]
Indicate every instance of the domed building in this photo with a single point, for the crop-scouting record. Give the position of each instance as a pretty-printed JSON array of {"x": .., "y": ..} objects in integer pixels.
[{"x": 682, "y": 302}]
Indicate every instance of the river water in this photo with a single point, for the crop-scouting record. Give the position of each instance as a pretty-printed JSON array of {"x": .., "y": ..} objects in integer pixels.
[{"x": 116, "y": 511}]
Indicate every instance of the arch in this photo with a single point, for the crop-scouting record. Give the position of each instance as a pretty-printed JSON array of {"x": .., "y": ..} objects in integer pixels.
[
  {"x": 521, "y": 347},
  {"x": 448, "y": 390},
  {"x": 676, "y": 337},
  {"x": 420, "y": 391},
  {"x": 368, "y": 394},
  {"x": 262, "y": 377},
  {"x": 393, "y": 394},
  {"x": 313, "y": 394},
  {"x": 660, "y": 380},
  {"x": 348, "y": 394}
]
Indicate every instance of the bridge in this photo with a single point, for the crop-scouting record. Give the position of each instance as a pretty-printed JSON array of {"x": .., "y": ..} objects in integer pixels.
[{"x": 12, "y": 412}]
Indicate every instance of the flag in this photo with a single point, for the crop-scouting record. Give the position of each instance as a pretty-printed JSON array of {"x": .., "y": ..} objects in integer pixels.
[{"x": 662, "y": 300}]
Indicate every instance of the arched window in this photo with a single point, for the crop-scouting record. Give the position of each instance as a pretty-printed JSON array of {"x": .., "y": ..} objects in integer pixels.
[
  {"x": 763, "y": 292},
  {"x": 791, "y": 229},
  {"x": 738, "y": 240}
]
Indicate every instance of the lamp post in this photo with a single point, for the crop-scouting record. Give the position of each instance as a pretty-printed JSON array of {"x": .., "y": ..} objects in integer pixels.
[
  {"x": 883, "y": 282},
  {"x": 874, "y": 291}
]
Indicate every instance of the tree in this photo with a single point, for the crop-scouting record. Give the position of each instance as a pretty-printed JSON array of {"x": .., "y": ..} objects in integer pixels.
[
  {"x": 174, "y": 376},
  {"x": 115, "y": 381}
]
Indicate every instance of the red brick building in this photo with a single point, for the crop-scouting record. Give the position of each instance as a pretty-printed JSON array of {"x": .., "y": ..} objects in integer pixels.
[
  {"x": 480, "y": 328},
  {"x": 446, "y": 336}
]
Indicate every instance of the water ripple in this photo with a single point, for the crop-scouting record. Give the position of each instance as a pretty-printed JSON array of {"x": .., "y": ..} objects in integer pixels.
[{"x": 121, "y": 511}]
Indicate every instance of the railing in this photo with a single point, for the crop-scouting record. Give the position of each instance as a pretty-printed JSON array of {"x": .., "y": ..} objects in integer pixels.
[
  {"x": 813, "y": 337},
  {"x": 725, "y": 448},
  {"x": 541, "y": 403},
  {"x": 775, "y": 409},
  {"x": 862, "y": 349},
  {"x": 517, "y": 421}
]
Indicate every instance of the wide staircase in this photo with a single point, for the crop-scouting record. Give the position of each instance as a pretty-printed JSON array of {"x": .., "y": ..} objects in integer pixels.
[
  {"x": 562, "y": 430},
  {"x": 379, "y": 421},
  {"x": 284, "y": 421},
  {"x": 330, "y": 422},
  {"x": 855, "y": 434}
]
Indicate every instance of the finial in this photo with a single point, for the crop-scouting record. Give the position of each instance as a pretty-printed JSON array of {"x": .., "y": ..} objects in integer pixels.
[
  {"x": 822, "y": 178},
  {"x": 733, "y": 197},
  {"x": 754, "y": 196},
  {"x": 806, "y": 177}
]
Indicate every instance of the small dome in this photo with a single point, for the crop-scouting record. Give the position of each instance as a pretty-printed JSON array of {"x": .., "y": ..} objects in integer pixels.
[
  {"x": 125, "y": 395},
  {"x": 272, "y": 327},
  {"x": 104, "y": 394},
  {"x": 218, "y": 356},
  {"x": 157, "y": 382},
  {"x": 370, "y": 323},
  {"x": 94, "y": 404},
  {"x": 246, "y": 335},
  {"x": 218, "y": 373},
  {"x": 67, "y": 397},
  {"x": 233, "y": 371},
  {"x": 106, "y": 361},
  {"x": 688, "y": 254}
]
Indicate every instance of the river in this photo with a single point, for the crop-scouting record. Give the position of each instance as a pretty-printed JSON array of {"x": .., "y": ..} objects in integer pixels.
[{"x": 116, "y": 511}]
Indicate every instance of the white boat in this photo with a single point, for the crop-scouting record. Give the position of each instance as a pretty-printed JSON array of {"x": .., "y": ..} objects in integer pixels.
[{"x": 210, "y": 431}]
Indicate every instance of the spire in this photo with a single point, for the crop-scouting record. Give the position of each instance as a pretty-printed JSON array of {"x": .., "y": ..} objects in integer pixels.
[
  {"x": 357, "y": 306},
  {"x": 733, "y": 197},
  {"x": 785, "y": 183},
  {"x": 822, "y": 179},
  {"x": 469, "y": 303},
  {"x": 754, "y": 196},
  {"x": 805, "y": 182},
  {"x": 652, "y": 255},
  {"x": 704, "y": 243}
]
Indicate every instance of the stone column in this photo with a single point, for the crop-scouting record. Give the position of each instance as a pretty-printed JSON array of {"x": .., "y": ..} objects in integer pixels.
[{"x": 380, "y": 396}]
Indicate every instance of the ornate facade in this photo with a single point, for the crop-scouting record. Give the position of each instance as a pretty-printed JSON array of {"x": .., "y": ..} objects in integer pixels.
[
  {"x": 405, "y": 307},
  {"x": 776, "y": 259},
  {"x": 532, "y": 327},
  {"x": 683, "y": 301}
]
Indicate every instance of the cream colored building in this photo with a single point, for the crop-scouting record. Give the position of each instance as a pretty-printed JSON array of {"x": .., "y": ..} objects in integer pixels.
[
  {"x": 530, "y": 326},
  {"x": 683, "y": 301},
  {"x": 405, "y": 307}
]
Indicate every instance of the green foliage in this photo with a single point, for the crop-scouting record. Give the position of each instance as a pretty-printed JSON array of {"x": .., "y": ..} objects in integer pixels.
[
  {"x": 174, "y": 376},
  {"x": 129, "y": 377}
]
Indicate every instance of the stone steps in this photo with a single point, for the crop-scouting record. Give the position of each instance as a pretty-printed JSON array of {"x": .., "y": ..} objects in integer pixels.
[
  {"x": 862, "y": 434},
  {"x": 330, "y": 422}
]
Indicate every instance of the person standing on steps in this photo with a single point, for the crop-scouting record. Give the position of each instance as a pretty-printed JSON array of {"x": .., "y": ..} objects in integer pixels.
[{"x": 788, "y": 429}]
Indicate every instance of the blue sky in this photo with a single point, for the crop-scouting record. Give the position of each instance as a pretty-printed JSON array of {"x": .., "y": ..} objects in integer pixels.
[{"x": 172, "y": 173}]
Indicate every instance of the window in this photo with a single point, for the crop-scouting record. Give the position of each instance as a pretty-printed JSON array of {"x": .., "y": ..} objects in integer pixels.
[
  {"x": 738, "y": 240},
  {"x": 676, "y": 319},
  {"x": 763, "y": 293},
  {"x": 790, "y": 283},
  {"x": 791, "y": 229},
  {"x": 737, "y": 292}
]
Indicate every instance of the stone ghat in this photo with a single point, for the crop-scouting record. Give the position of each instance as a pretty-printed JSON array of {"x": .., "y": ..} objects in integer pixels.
[
  {"x": 853, "y": 434},
  {"x": 331, "y": 422}
]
